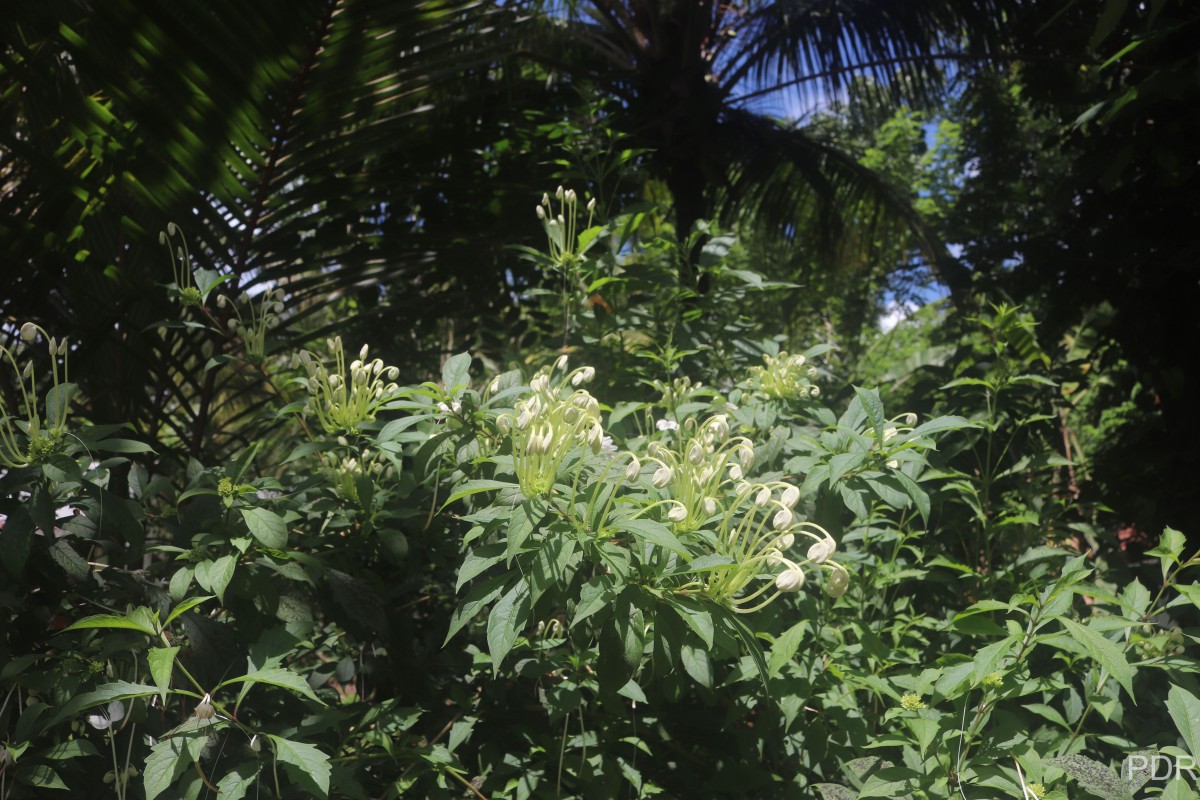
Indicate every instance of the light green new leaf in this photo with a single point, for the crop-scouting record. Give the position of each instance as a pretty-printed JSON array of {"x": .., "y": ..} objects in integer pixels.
[
  {"x": 1185, "y": 711},
  {"x": 456, "y": 372},
  {"x": 266, "y": 526},
  {"x": 1104, "y": 652},
  {"x": 306, "y": 765},
  {"x": 1170, "y": 547},
  {"x": 162, "y": 664},
  {"x": 277, "y": 676}
]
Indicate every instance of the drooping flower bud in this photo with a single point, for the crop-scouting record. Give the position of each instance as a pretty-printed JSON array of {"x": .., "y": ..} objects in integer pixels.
[
  {"x": 633, "y": 470},
  {"x": 820, "y": 551},
  {"x": 561, "y": 362},
  {"x": 783, "y": 518},
  {"x": 790, "y": 580},
  {"x": 791, "y": 496},
  {"x": 662, "y": 477},
  {"x": 735, "y": 472},
  {"x": 677, "y": 513},
  {"x": 839, "y": 581},
  {"x": 764, "y": 497},
  {"x": 710, "y": 506}
]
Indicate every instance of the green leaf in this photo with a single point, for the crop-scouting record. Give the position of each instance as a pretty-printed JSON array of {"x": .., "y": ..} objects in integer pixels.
[
  {"x": 456, "y": 372},
  {"x": 214, "y": 576},
  {"x": 596, "y": 594},
  {"x": 1185, "y": 711},
  {"x": 654, "y": 532},
  {"x": 266, "y": 526},
  {"x": 185, "y": 606},
  {"x": 468, "y": 488},
  {"x": 113, "y": 621},
  {"x": 698, "y": 617},
  {"x": 1097, "y": 778},
  {"x": 166, "y": 762},
  {"x": 785, "y": 647},
  {"x": 118, "y": 690},
  {"x": 72, "y": 748},
  {"x": 123, "y": 446},
  {"x": 41, "y": 776},
  {"x": 181, "y": 581},
  {"x": 277, "y": 676},
  {"x": 1104, "y": 652},
  {"x": 874, "y": 408},
  {"x": 307, "y": 766},
  {"x": 478, "y": 561},
  {"x": 1169, "y": 549},
  {"x": 162, "y": 665},
  {"x": 233, "y": 784},
  {"x": 938, "y": 424},
  {"x": 834, "y": 791},
  {"x": 508, "y": 618},
  {"x": 697, "y": 664}
]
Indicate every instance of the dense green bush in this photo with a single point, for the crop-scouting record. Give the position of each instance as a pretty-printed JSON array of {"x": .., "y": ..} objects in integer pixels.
[{"x": 664, "y": 559}]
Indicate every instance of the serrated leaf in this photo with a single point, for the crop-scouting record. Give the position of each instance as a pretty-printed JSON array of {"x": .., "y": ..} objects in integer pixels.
[
  {"x": 166, "y": 762},
  {"x": 307, "y": 766},
  {"x": 277, "y": 676},
  {"x": 468, "y": 488},
  {"x": 162, "y": 665},
  {"x": 267, "y": 527},
  {"x": 233, "y": 784},
  {"x": 214, "y": 576},
  {"x": 874, "y": 408},
  {"x": 478, "y": 561},
  {"x": 506, "y": 621},
  {"x": 1185, "y": 711},
  {"x": 834, "y": 791},
  {"x": 1104, "y": 652}
]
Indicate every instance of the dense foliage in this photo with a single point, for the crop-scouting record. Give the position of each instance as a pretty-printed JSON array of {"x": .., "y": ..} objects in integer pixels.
[{"x": 395, "y": 480}]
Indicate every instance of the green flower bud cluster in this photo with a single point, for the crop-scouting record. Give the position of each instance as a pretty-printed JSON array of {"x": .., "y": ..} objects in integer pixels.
[
  {"x": 184, "y": 287},
  {"x": 344, "y": 473},
  {"x": 262, "y": 314},
  {"x": 784, "y": 377},
  {"x": 677, "y": 391},
  {"x": 695, "y": 476},
  {"x": 346, "y": 396},
  {"x": 561, "y": 226},
  {"x": 555, "y": 418},
  {"x": 33, "y": 438}
]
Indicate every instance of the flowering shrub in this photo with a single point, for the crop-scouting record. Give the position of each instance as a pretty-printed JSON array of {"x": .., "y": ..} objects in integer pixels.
[{"x": 510, "y": 585}]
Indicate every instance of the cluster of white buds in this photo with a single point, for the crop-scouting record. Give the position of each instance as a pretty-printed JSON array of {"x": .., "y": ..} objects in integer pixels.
[
  {"x": 756, "y": 533},
  {"x": 345, "y": 472},
  {"x": 184, "y": 286},
  {"x": 32, "y": 438},
  {"x": 260, "y": 315},
  {"x": 555, "y": 418},
  {"x": 561, "y": 226},
  {"x": 784, "y": 377},
  {"x": 677, "y": 391},
  {"x": 346, "y": 396},
  {"x": 697, "y": 474}
]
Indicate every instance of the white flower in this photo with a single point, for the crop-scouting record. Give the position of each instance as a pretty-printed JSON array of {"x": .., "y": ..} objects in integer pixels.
[
  {"x": 783, "y": 518},
  {"x": 839, "y": 581},
  {"x": 667, "y": 425},
  {"x": 662, "y": 477},
  {"x": 791, "y": 496},
  {"x": 893, "y": 464},
  {"x": 607, "y": 446},
  {"x": 820, "y": 551},
  {"x": 113, "y": 713},
  {"x": 790, "y": 580},
  {"x": 631, "y": 471}
]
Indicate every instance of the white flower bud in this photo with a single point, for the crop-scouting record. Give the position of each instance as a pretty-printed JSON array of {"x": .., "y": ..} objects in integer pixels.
[
  {"x": 362, "y": 353},
  {"x": 561, "y": 362},
  {"x": 677, "y": 513},
  {"x": 893, "y": 464},
  {"x": 633, "y": 470},
  {"x": 839, "y": 581},
  {"x": 662, "y": 477},
  {"x": 53, "y": 346},
  {"x": 735, "y": 472},
  {"x": 504, "y": 424},
  {"x": 494, "y": 386},
  {"x": 820, "y": 551},
  {"x": 595, "y": 438},
  {"x": 785, "y": 541},
  {"x": 710, "y": 506},
  {"x": 720, "y": 426},
  {"x": 743, "y": 488},
  {"x": 812, "y": 372},
  {"x": 570, "y": 197},
  {"x": 654, "y": 449},
  {"x": 541, "y": 212},
  {"x": 222, "y": 301},
  {"x": 558, "y": 193},
  {"x": 539, "y": 383},
  {"x": 393, "y": 373},
  {"x": 764, "y": 497},
  {"x": 746, "y": 456},
  {"x": 591, "y": 206},
  {"x": 705, "y": 475},
  {"x": 815, "y": 391},
  {"x": 545, "y": 199},
  {"x": 523, "y": 418},
  {"x": 162, "y": 238},
  {"x": 889, "y": 433},
  {"x": 335, "y": 381},
  {"x": 695, "y": 453},
  {"x": 783, "y": 518},
  {"x": 791, "y": 496},
  {"x": 910, "y": 419},
  {"x": 790, "y": 580}
]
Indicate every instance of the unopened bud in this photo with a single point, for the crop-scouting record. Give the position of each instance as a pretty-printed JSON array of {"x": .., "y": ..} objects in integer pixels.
[
  {"x": 29, "y": 331},
  {"x": 633, "y": 470},
  {"x": 839, "y": 581},
  {"x": 662, "y": 477},
  {"x": 764, "y": 497},
  {"x": 791, "y": 496},
  {"x": 783, "y": 518},
  {"x": 790, "y": 580},
  {"x": 820, "y": 551},
  {"x": 677, "y": 513}
]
